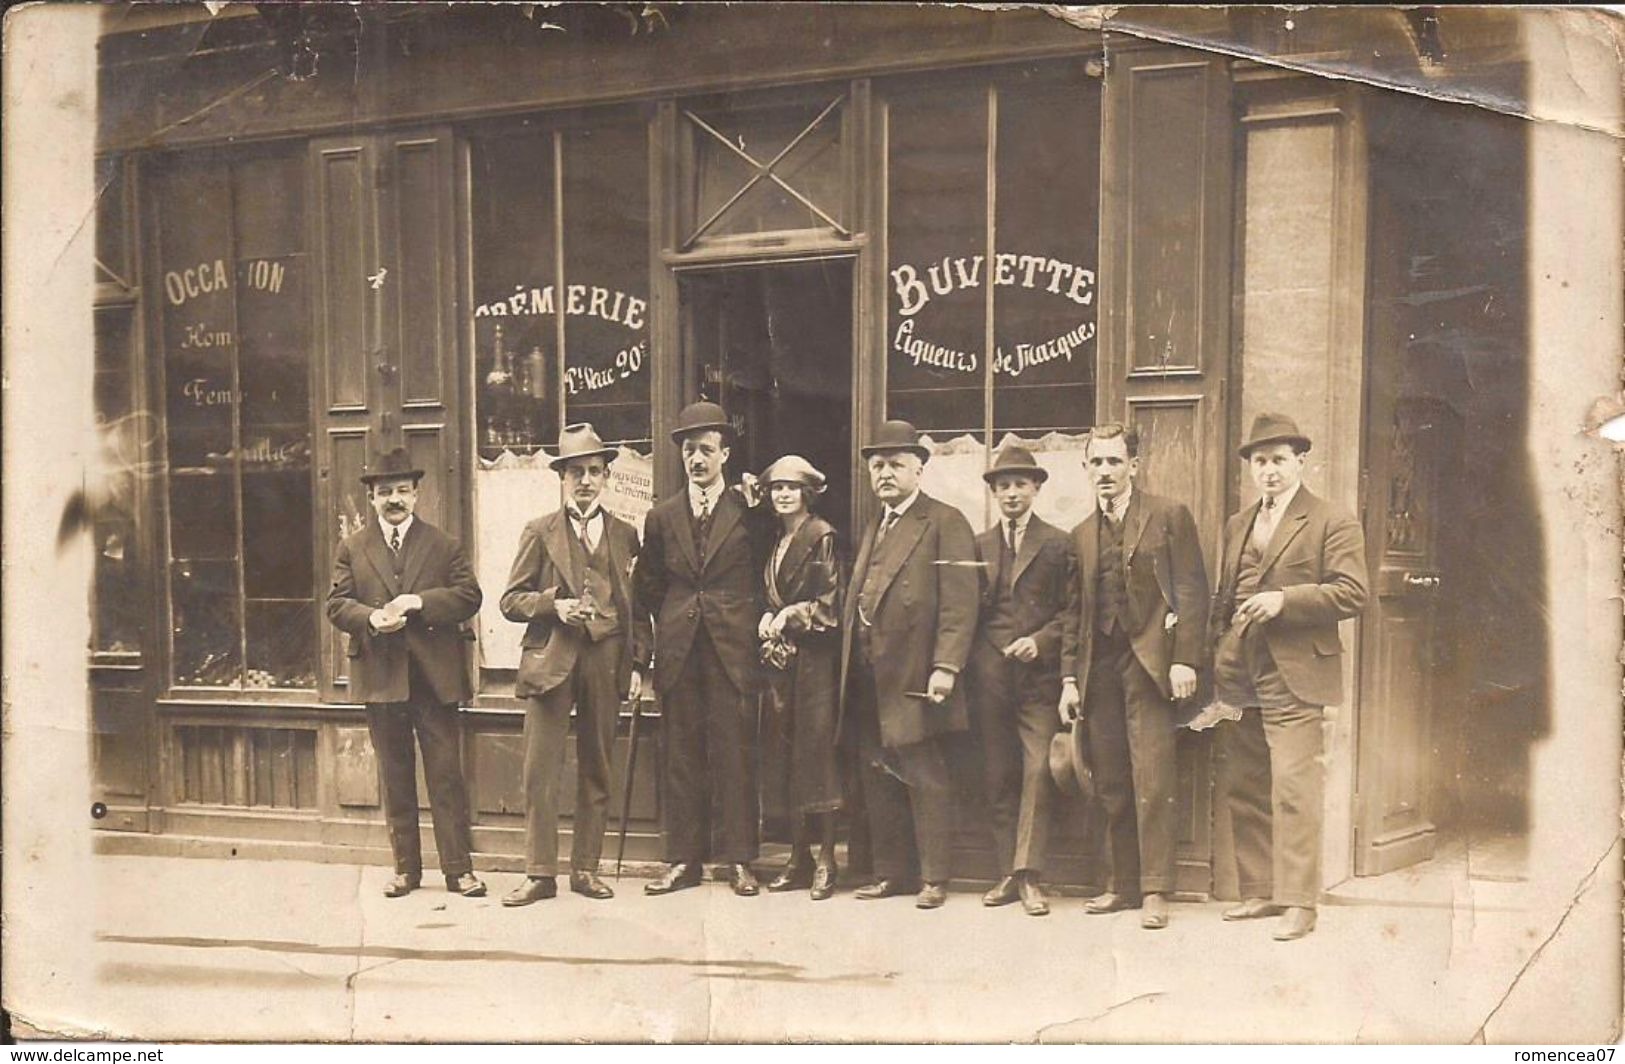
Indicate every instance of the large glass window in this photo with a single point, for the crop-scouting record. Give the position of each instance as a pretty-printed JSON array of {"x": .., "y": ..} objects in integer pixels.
[
  {"x": 234, "y": 327},
  {"x": 1021, "y": 144}
]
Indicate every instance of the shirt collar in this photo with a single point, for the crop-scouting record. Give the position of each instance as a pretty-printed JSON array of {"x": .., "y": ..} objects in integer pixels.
[
  {"x": 1119, "y": 506},
  {"x": 902, "y": 508},
  {"x": 1283, "y": 500},
  {"x": 589, "y": 517},
  {"x": 709, "y": 496},
  {"x": 405, "y": 527},
  {"x": 1021, "y": 522}
]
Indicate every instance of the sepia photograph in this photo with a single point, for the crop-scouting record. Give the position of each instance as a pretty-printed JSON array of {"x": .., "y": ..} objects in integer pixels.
[{"x": 813, "y": 523}]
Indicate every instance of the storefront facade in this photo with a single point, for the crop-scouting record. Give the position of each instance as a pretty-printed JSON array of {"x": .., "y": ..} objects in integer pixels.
[{"x": 995, "y": 225}]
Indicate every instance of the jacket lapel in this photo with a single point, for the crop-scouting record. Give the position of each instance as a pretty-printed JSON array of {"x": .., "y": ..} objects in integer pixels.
[
  {"x": 382, "y": 558},
  {"x": 898, "y": 546},
  {"x": 860, "y": 573},
  {"x": 1134, "y": 523},
  {"x": 1030, "y": 544},
  {"x": 416, "y": 549},
  {"x": 729, "y": 509},
  {"x": 556, "y": 533},
  {"x": 1292, "y": 523},
  {"x": 795, "y": 555},
  {"x": 1232, "y": 560},
  {"x": 682, "y": 515}
]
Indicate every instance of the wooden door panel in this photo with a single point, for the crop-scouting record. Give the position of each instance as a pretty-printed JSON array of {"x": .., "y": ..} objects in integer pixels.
[{"x": 344, "y": 244}]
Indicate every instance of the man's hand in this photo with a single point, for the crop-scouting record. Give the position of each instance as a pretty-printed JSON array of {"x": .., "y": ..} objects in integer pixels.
[
  {"x": 634, "y": 690},
  {"x": 750, "y": 488},
  {"x": 1070, "y": 708},
  {"x": 406, "y": 603},
  {"x": 1182, "y": 678},
  {"x": 568, "y": 609},
  {"x": 764, "y": 629},
  {"x": 1264, "y": 606},
  {"x": 1023, "y": 649},
  {"x": 940, "y": 686},
  {"x": 385, "y": 620}
]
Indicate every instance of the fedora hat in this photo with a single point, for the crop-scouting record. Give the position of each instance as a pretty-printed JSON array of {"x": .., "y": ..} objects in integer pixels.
[
  {"x": 581, "y": 441},
  {"x": 1069, "y": 762},
  {"x": 702, "y": 417},
  {"x": 1273, "y": 428},
  {"x": 391, "y": 465},
  {"x": 794, "y": 469},
  {"x": 896, "y": 436},
  {"x": 1016, "y": 459}
]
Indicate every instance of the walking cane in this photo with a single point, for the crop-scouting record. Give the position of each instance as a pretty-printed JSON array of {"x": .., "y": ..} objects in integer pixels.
[{"x": 626, "y": 784}]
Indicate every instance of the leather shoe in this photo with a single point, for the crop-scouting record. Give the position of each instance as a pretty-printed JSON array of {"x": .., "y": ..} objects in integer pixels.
[
  {"x": 402, "y": 884},
  {"x": 745, "y": 884},
  {"x": 823, "y": 882},
  {"x": 1296, "y": 922},
  {"x": 883, "y": 888},
  {"x": 1004, "y": 892},
  {"x": 679, "y": 876},
  {"x": 931, "y": 896},
  {"x": 1110, "y": 902},
  {"x": 1154, "y": 912},
  {"x": 589, "y": 885},
  {"x": 1033, "y": 902},
  {"x": 1253, "y": 909},
  {"x": 534, "y": 888},
  {"x": 467, "y": 884},
  {"x": 794, "y": 876}
]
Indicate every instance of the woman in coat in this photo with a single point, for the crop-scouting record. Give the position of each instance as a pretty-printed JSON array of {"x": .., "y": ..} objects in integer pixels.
[{"x": 801, "y": 649}]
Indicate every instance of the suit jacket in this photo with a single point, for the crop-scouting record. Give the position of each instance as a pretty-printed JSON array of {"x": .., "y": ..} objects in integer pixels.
[
  {"x": 927, "y": 592},
  {"x": 545, "y": 570},
  {"x": 434, "y": 568},
  {"x": 1317, "y": 557},
  {"x": 678, "y": 588},
  {"x": 1039, "y": 585},
  {"x": 1163, "y": 576}
]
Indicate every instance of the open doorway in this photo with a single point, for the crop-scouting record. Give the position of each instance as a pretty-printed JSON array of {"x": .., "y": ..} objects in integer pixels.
[{"x": 773, "y": 345}]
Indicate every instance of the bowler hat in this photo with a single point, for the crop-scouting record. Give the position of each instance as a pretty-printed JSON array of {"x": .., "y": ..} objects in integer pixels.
[
  {"x": 702, "y": 417},
  {"x": 895, "y": 436},
  {"x": 391, "y": 465},
  {"x": 1273, "y": 428},
  {"x": 794, "y": 469},
  {"x": 1069, "y": 762},
  {"x": 581, "y": 441},
  {"x": 1016, "y": 459}
]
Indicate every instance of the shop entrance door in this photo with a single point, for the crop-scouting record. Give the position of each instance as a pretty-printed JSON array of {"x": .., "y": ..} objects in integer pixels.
[{"x": 773, "y": 345}]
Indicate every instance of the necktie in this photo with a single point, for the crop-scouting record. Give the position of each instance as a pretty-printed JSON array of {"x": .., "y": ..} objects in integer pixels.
[
  {"x": 395, "y": 539},
  {"x": 885, "y": 526},
  {"x": 705, "y": 520},
  {"x": 584, "y": 528},
  {"x": 1012, "y": 537}
]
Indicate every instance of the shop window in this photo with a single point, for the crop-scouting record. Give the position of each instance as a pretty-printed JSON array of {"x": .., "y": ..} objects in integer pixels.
[
  {"x": 1023, "y": 142},
  {"x": 560, "y": 268},
  {"x": 766, "y": 170},
  {"x": 234, "y": 326}
]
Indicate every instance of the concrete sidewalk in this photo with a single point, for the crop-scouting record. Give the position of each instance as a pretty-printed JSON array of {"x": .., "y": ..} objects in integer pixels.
[{"x": 259, "y": 950}]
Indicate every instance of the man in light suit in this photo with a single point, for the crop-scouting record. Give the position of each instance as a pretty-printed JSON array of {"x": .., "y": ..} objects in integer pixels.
[
  {"x": 1131, "y": 649},
  {"x": 571, "y": 586},
  {"x": 401, "y": 592},
  {"x": 1013, "y": 675},
  {"x": 1293, "y": 566},
  {"x": 699, "y": 576},
  {"x": 910, "y": 618}
]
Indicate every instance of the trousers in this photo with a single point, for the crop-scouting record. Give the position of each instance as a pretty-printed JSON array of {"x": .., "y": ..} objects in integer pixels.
[
  {"x": 907, "y": 792},
  {"x": 391, "y": 725},
  {"x": 592, "y": 689},
  {"x": 1014, "y": 704},
  {"x": 709, "y": 733}
]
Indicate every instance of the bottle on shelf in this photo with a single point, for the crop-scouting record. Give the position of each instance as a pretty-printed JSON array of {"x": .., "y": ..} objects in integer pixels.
[
  {"x": 537, "y": 373},
  {"x": 501, "y": 374}
]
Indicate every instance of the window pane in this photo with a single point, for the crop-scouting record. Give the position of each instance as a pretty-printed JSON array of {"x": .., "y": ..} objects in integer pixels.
[
  {"x": 515, "y": 339},
  {"x": 606, "y": 273},
  {"x": 204, "y": 618},
  {"x": 112, "y": 236},
  {"x": 1048, "y": 173},
  {"x": 812, "y": 168},
  {"x": 116, "y": 622},
  {"x": 937, "y": 237}
]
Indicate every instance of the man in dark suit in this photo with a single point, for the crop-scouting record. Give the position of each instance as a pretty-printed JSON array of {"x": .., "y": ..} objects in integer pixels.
[
  {"x": 1132, "y": 646},
  {"x": 571, "y": 585},
  {"x": 1293, "y": 566},
  {"x": 1013, "y": 675},
  {"x": 401, "y": 592},
  {"x": 699, "y": 576},
  {"x": 910, "y": 618}
]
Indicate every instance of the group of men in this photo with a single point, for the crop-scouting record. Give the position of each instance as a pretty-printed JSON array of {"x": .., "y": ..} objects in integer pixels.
[{"x": 1110, "y": 633}]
